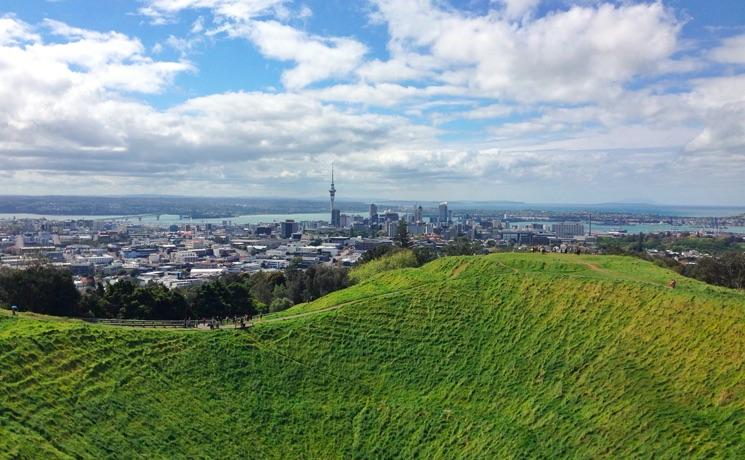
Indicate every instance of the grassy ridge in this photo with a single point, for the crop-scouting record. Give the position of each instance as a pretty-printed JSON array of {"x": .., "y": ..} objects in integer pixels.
[{"x": 499, "y": 356}]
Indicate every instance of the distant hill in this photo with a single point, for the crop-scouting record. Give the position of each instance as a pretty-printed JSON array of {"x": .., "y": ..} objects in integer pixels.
[
  {"x": 196, "y": 207},
  {"x": 503, "y": 356}
]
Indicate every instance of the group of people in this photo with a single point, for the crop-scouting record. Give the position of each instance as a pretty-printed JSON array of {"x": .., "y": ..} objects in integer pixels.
[{"x": 238, "y": 322}]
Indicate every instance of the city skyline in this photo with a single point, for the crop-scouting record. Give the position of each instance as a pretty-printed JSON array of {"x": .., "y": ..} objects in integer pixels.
[{"x": 531, "y": 101}]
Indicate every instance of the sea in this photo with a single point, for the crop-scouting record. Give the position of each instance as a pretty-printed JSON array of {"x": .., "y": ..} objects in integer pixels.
[{"x": 680, "y": 211}]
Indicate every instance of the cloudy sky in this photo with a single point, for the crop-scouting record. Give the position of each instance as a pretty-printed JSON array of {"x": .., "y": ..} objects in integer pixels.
[{"x": 529, "y": 100}]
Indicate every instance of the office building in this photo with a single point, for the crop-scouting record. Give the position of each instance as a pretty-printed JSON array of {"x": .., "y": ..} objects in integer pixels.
[
  {"x": 443, "y": 212},
  {"x": 567, "y": 230},
  {"x": 373, "y": 213},
  {"x": 335, "y": 218},
  {"x": 287, "y": 228}
]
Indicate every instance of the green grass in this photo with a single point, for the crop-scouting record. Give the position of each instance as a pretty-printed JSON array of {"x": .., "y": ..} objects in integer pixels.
[
  {"x": 504, "y": 356},
  {"x": 399, "y": 259}
]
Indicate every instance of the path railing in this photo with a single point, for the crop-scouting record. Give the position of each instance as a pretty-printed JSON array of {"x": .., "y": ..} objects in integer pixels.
[
  {"x": 177, "y": 323},
  {"x": 144, "y": 322}
]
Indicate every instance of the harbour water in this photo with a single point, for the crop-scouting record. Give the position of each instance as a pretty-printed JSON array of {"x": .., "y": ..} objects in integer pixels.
[
  {"x": 168, "y": 219},
  {"x": 681, "y": 211}
]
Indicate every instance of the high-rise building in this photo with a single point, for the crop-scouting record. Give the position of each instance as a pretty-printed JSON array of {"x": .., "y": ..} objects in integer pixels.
[
  {"x": 287, "y": 228},
  {"x": 332, "y": 194},
  {"x": 390, "y": 216},
  {"x": 443, "y": 214},
  {"x": 373, "y": 212},
  {"x": 336, "y": 218},
  {"x": 418, "y": 214}
]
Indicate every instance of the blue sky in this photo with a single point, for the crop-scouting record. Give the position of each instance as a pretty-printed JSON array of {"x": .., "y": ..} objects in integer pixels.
[{"x": 530, "y": 100}]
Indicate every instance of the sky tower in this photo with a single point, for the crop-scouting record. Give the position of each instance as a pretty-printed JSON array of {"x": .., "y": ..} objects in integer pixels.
[
  {"x": 335, "y": 215},
  {"x": 332, "y": 190}
]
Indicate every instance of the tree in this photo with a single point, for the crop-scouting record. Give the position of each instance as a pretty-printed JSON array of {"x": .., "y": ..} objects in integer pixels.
[
  {"x": 280, "y": 304},
  {"x": 402, "y": 235},
  {"x": 377, "y": 253},
  {"x": 279, "y": 292},
  {"x": 727, "y": 270},
  {"x": 639, "y": 246},
  {"x": 40, "y": 289},
  {"x": 424, "y": 254},
  {"x": 296, "y": 286},
  {"x": 262, "y": 288},
  {"x": 462, "y": 247}
]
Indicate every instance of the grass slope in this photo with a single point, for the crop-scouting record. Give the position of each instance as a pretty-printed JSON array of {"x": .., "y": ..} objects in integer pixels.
[{"x": 498, "y": 356}]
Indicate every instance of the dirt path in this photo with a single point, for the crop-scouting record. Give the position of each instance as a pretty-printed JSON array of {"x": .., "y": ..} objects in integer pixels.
[
  {"x": 300, "y": 315},
  {"x": 594, "y": 267}
]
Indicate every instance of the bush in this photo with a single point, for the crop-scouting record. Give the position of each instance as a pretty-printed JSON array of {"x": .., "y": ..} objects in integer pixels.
[
  {"x": 463, "y": 247},
  {"x": 425, "y": 255},
  {"x": 280, "y": 304},
  {"x": 377, "y": 253}
]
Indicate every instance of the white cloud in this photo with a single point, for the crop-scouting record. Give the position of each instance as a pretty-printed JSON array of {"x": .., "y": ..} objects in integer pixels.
[
  {"x": 579, "y": 54},
  {"x": 184, "y": 45},
  {"x": 162, "y": 11},
  {"x": 198, "y": 25},
  {"x": 305, "y": 12},
  {"x": 721, "y": 102},
  {"x": 383, "y": 94},
  {"x": 518, "y": 8},
  {"x": 86, "y": 62},
  {"x": 405, "y": 67},
  {"x": 66, "y": 112},
  {"x": 731, "y": 51},
  {"x": 551, "y": 96},
  {"x": 317, "y": 58},
  {"x": 14, "y": 31}
]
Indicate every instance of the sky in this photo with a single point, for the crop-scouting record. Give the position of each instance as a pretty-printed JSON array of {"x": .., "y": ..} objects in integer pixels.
[{"x": 550, "y": 101}]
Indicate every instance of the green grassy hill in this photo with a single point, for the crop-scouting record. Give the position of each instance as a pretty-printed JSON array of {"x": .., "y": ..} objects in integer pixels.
[{"x": 482, "y": 357}]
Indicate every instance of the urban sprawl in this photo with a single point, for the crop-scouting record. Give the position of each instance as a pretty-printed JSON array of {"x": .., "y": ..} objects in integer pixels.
[{"x": 187, "y": 253}]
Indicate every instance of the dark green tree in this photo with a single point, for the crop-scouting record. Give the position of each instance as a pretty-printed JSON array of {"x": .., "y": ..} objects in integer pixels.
[
  {"x": 639, "y": 246},
  {"x": 462, "y": 247},
  {"x": 402, "y": 235},
  {"x": 425, "y": 254},
  {"x": 377, "y": 253},
  {"x": 40, "y": 289}
]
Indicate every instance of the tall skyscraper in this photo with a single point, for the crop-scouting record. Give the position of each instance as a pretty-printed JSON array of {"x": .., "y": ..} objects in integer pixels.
[
  {"x": 288, "y": 227},
  {"x": 373, "y": 212},
  {"x": 336, "y": 218},
  {"x": 443, "y": 214},
  {"x": 332, "y": 194}
]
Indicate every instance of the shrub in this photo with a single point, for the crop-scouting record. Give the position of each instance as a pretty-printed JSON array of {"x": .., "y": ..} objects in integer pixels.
[{"x": 279, "y": 304}]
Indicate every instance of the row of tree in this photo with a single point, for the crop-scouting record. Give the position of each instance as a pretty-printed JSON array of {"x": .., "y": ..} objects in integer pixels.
[
  {"x": 459, "y": 247},
  {"x": 669, "y": 241},
  {"x": 49, "y": 290},
  {"x": 726, "y": 267},
  {"x": 726, "y": 270}
]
